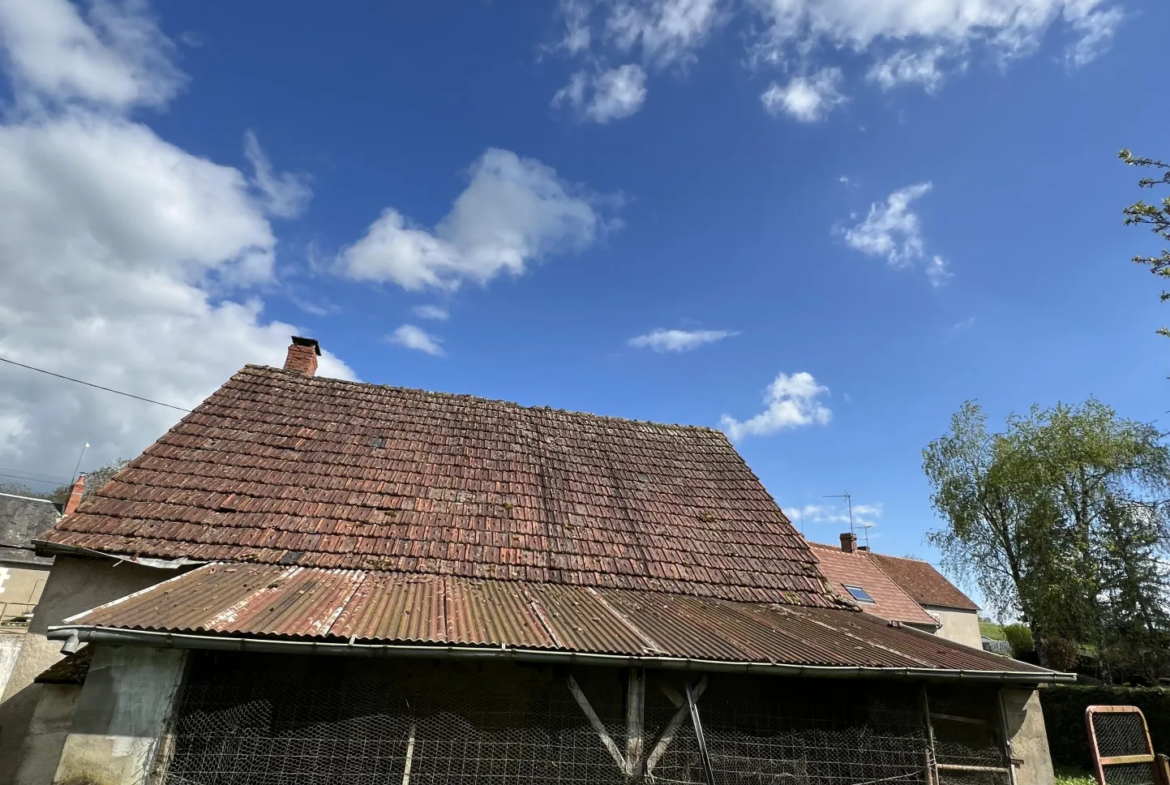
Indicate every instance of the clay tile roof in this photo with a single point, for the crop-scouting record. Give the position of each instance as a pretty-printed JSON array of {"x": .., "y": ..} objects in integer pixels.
[
  {"x": 855, "y": 569},
  {"x": 281, "y": 468},
  {"x": 923, "y": 582}
]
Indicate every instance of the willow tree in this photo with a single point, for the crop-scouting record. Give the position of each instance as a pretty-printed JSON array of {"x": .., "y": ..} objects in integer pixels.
[{"x": 1060, "y": 519}]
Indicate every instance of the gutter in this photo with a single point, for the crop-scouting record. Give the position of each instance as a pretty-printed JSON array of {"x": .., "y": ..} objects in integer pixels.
[
  {"x": 43, "y": 548},
  {"x": 74, "y": 634}
]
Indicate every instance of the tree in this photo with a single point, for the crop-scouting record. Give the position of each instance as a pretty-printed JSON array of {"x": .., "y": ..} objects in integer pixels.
[
  {"x": 1155, "y": 216},
  {"x": 1060, "y": 519}
]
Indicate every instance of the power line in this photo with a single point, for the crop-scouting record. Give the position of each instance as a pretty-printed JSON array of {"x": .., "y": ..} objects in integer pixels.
[
  {"x": 95, "y": 386},
  {"x": 32, "y": 475},
  {"x": 24, "y": 480}
]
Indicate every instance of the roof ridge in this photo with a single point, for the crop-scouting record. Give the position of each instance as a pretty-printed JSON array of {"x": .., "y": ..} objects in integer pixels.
[
  {"x": 297, "y": 376},
  {"x": 903, "y": 558}
]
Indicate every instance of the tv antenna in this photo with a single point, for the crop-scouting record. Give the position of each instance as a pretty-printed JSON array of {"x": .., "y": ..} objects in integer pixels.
[{"x": 849, "y": 502}]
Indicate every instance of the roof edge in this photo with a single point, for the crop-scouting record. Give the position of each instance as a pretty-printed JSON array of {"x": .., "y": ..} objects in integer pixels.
[{"x": 73, "y": 634}]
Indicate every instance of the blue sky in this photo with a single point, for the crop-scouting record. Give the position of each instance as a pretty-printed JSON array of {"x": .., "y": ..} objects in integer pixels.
[{"x": 896, "y": 206}]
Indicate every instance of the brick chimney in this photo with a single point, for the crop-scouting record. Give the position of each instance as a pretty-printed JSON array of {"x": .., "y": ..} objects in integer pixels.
[
  {"x": 75, "y": 495},
  {"x": 302, "y": 356},
  {"x": 849, "y": 542}
]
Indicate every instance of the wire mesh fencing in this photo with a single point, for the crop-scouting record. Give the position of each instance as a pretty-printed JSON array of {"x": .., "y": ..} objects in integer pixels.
[
  {"x": 1123, "y": 753},
  {"x": 250, "y": 719}
]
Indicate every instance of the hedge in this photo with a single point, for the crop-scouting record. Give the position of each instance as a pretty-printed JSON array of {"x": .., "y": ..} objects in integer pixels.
[{"x": 1064, "y": 717}]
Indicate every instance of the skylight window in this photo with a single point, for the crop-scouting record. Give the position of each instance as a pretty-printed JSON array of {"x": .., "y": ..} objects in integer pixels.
[{"x": 859, "y": 594}]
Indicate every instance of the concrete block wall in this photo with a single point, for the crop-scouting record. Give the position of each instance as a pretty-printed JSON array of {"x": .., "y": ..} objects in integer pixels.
[
  {"x": 121, "y": 716},
  {"x": 74, "y": 585}
]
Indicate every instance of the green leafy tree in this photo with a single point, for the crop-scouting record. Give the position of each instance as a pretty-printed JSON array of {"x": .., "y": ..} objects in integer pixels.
[
  {"x": 1060, "y": 519},
  {"x": 1019, "y": 637},
  {"x": 1156, "y": 216}
]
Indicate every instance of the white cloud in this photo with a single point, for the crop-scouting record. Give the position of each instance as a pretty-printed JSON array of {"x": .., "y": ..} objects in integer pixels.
[
  {"x": 1096, "y": 26},
  {"x": 864, "y": 515},
  {"x": 668, "y": 30},
  {"x": 678, "y": 340},
  {"x": 906, "y": 67},
  {"x": 416, "y": 338},
  {"x": 514, "y": 211},
  {"x": 935, "y": 36},
  {"x": 117, "y": 57},
  {"x": 1011, "y": 28},
  {"x": 577, "y": 35},
  {"x": 938, "y": 271},
  {"x": 286, "y": 195},
  {"x": 433, "y": 312},
  {"x": 806, "y": 98},
  {"x": 610, "y": 95},
  {"x": 791, "y": 402},
  {"x": 891, "y": 229},
  {"x": 124, "y": 255}
]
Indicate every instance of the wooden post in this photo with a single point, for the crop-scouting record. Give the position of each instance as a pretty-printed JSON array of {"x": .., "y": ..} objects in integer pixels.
[
  {"x": 676, "y": 721},
  {"x": 596, "y": 722},
  {"x": 409, "y": 756},
  {"x": 635, "y": 708},
  {"x": 1006, "y": 741},
  {"x": 708, "y": 773},
  {"x": 931, "y": 756}
]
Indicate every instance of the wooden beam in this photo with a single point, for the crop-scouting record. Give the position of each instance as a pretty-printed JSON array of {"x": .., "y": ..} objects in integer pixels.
[
  {"x": 671, "y": 729},
  {"x": 931, "y": 756},
  {"x": 697, "y": 722},
  {"x": 635, "y": 708},
  {"x": 1119, "y": 760},
  {"x": 595, "y": 721},
  {"x": 409, "y": 756}
]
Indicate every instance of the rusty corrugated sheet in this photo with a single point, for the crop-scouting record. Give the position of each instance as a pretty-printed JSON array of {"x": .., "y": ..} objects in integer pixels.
[{"x": 342, "y": 605}]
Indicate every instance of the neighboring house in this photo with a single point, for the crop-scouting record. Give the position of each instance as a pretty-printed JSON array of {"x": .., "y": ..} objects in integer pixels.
[
  {"x": 315, "y": 581},
  {"x": 957, "y": 615},
  {"x": 856, "y": 577},
  {"x": 22, "y": 572},
  {"x": 910, "y": 591}
]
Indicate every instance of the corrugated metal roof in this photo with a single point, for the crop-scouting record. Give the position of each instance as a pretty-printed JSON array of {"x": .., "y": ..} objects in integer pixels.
[{"x": 269, "y": 601}]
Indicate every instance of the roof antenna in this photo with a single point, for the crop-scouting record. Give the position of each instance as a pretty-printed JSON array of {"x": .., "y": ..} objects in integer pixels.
[
  {"x": 79, "y": 457},
  {"x": 849, "y": 501}
]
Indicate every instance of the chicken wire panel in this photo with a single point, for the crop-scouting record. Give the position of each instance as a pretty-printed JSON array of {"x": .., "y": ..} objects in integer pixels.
[
  {"x": 247, "y": 719},
  {"x": 968, "y": 732},
  {"x": 795, "y": 731},
  {"x": 251, "y": 719},
  {"x": 1120, "y": 731}
]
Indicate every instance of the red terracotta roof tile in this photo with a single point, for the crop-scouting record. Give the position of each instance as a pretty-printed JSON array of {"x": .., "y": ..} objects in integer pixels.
[
  {"x": 855, "y": 569},
  {"x": 280, "y": 468},
  {"x": 923, "y": 582}
]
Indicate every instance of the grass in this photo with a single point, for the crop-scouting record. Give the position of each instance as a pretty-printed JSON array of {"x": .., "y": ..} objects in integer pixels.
[
  {"x": 1070, "y": 775},
  {"x": 989, "y": 629}
]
